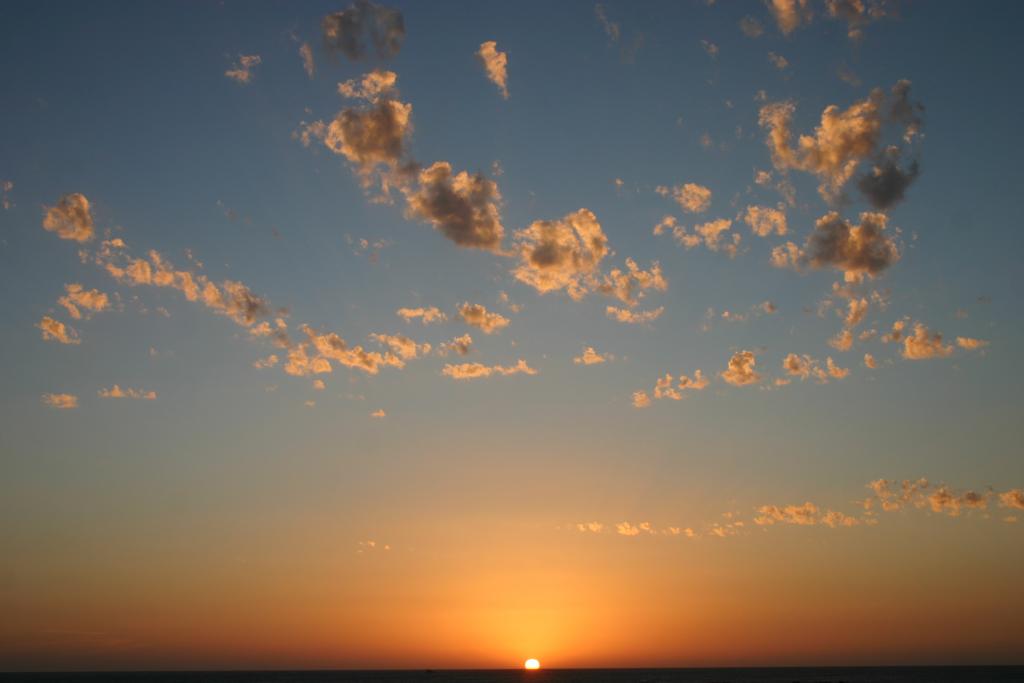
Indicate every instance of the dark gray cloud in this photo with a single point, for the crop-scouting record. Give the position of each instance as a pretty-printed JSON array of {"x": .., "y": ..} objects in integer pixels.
[{"x": 364, "y": 25}]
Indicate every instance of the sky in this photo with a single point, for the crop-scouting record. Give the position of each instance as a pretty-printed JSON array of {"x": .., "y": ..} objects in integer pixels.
[{"x": 451, "y": 334}]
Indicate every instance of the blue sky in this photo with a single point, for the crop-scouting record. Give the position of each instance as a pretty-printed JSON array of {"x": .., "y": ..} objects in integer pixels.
[{"x": 128, "y": 104}]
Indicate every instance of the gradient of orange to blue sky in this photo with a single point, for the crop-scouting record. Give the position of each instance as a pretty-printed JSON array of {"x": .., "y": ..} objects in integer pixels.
[{"x": 452, "y": 334}]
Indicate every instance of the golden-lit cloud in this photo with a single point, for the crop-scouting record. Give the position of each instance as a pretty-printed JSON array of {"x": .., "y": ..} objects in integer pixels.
[
  {"x": 464, "y": 208},
  {"x": 373, "y": 138},
  {"x": 402, "y": 346},
  {"x": 740, "y": 371},
  {"x": 641, "y": 399},
  {"x": 459, "y": 345},
  {"x": 1014, "y": 498},
  {"x": 625, "y": 315},
  {"x": 628, "y": 286},
  {"x": 371, "y": 87},
  {"x": 561, "y": 254},
  {"x": 591, "y": 357},
  {"x": 308, "y": 65},
  {"x": 64, "y": 401},
  {"x": 268, "y": 362},
  {"x": 117, "y": 392},
  {"x": 693, "y": 198},
  {"x": 78, "y": 298},
  {"x": 71, "y": 218},
  {"x": 764, "y": 220},
  {"x": 495, "y": 63},
  {"x": 479, "y": 370},
  {"x": 711, "y": 234},
  {"x": 54, "y": 330},
  {"x": 805, "y": 514},
  {"x": 379, "y": 414},
  {"x": 859, "y": 250},
  {"x": 789, "y": 14},
  {"x": 804, "y": 366},
  {"x": 331, "y": 347},
  {"x": 870, "y": 362},
  {"x": 478, "y": 316},
  {"x": 241, "y": 71},
  {"x": 970, "y": 343},
  {"x": 924, "y": 344},
  {"x": 428, "y": 315},
  {"x": 364, "y": 25}
]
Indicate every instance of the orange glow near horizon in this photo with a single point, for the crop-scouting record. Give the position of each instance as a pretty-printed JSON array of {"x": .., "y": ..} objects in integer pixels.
[{"x": 531, "y": 664}]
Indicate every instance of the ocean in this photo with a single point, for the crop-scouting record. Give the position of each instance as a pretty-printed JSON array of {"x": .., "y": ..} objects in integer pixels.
[{"x": 909, "y": 674}]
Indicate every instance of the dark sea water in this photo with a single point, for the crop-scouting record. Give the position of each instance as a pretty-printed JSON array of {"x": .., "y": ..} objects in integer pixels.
[{"x": 956, "y": 674}]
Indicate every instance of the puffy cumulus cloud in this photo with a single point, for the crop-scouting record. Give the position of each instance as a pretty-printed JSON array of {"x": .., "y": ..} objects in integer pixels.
[
  {"x": 479, "y": 370},
  {"x": 362, "y": 25},
  {"x": 428, "y": 315},
  {"x": 591, "y": 357},
  {"x": 561, "y": 254},
  {"x": 788, "y": 255},
  {"x": 764, "y": 220},
  {"x": 308, "y": 65},
  {"x": 478, "y": 316},
  {"x": 857, "y": 250},
  {"x": 834, "y": 371},
  {"x": 806, "y": 514},
  {"x": 331, "y": 347},
  {"x": 590, "y": 527},
  {"x": 923, "y": 344},
  {"x": 64, "y": 401},
  {"x": 789, "y": 14},
  {"x": 625, "y": 315},
  {"x": 970, "y": 343},
  {"x": 459, "y": 345},
  {"x": 628, "y": 529},
  {"x": 402, "y": 346},
  {"x": 711, "y": 234},
  {"x": 798, "y": 365},
  {"x": 241, "y": 71},
  {"x": 70, "y": 218},
  {"x": 870, "y": 362},
  {"x": 54, "y": 330},
  {"x": 804, "y": 366},
  {"x": 628, "y": 285},
  {"x": 463, "y": 207},
  {"x": 117, "y": 392},
  {"x": 834, "y": 519},
  {"x": 229, "y": 298},
  {"x": 895, "y": 495},
  {"x": 887, "y": 182},
  {"x": 856, "y": 310},
  {"x": 666, "y": 387},
  {"x": 740, "y": 371},
  {"x": 1014, "y": 498},
  {"x": 842, "y": 341},
  {"x": 896, "y": 333},
  {"x": 691, "y": 197},
  {"x": 641, "y": 399},
  {"x": 78, "y": 298},
  {"x": 301, "y": 364},
  {"x": 373, "y": 138},
  {"x": 495, "y": 64}
]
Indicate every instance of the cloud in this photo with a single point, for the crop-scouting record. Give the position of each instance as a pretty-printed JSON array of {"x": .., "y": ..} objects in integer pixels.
[
  {"x": 611, "y": 28},
  {"x": 65, "y": 401},
  {"x": 331, "y": 347},
  {"x": 463, "y": 207},
  {"x": 459, "y": 345},
  {"x": 591, "y": 357},
  {"x": 924, "y": 344},
  {"x": 856, "y": 250},
  {"x": 845, "y": 138},
  {"x": 709, "y": 234},
  {"x": 229, "y": 298},
  {"x": 1014, "y": 498},
  {"x": 478, "y": 370},
  {"x": 856, "y": 14},
  {"x": 764, "y": 220},
  {"x": 373, "y": 86},
  {"x": 806, "y": 514},
  {"x": 870, "y": 362},
  {"x": 268, "y": 362},
  {"x": 308, "y": 65},
  {"x": 431, "y": 314},
  {"x": 629, "y": 286},
  {"x": 641, "y": 399},
  {"x": 561, "y": 254},
  {"x": 5, "y": 190},
  {"x": 692, "y": 197},
  {"x": 241, "y": 72},
  {"x": 970, "y": 343},
  {"x": 943, "y": 499},
  {"x": 402, "y": 346},
  {"x": 887, "y": 183},
  {"x": 278, "y": 334},
  {"x": 478, "y": 316},
  {"x": 379, "y": 414},
  {"x": 920, "y": 494},
  {"x": 710, "y": 48},
  {"x": 71, "y": 218},
  {"x": 624, "y": 315},
  {"x": 778, "y": 61},
  {"x": 842, "y": 341},
  {"x": 789, "y": 14},
  {"x": 117, "y": 392},
  {"x": 54, "y": 330},
  {"x": 804, "y": 366},
  {"x": 78, "y": 298},
  {"x": 664, "y": 387},
  {"x": 740, "y": 371},
  {"x": 591, "y": 527},
  {"x": 349, "y": 31},
  {"x": 495, "y": 63}
]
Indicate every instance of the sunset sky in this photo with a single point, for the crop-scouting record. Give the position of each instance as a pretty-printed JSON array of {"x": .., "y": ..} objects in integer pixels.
[{"x": 448, "y": 334}]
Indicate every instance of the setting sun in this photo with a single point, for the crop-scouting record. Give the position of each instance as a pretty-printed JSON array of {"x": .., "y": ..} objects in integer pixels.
[{"x": 531, "y": 664}]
